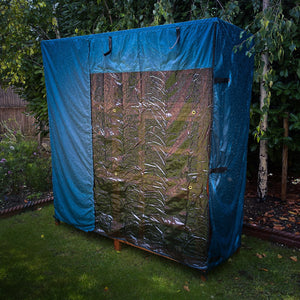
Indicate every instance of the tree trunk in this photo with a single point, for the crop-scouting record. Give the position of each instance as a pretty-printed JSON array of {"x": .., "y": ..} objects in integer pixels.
[
  {"x": 284, "y": 159},
  {"x": 55, "y": 23},
  {"x": 262, "y": 184}
]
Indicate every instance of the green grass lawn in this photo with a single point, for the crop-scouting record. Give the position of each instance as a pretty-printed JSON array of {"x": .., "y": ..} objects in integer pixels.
[{"x": 39, "y": 260}]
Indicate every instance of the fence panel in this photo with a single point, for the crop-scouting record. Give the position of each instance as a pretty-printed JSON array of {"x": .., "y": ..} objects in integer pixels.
[{"x": 12, "y": 110}]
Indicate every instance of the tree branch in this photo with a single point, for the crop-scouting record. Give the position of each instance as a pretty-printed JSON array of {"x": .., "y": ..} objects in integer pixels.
[{"x": 109, "y": 14}]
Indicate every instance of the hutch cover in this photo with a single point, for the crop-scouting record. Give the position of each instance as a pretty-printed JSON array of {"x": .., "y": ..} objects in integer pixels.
[{"x": 149, "y": 131}]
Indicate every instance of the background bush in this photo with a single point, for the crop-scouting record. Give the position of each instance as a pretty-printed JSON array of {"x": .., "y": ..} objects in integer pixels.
[{"x": 24, "y": 166}]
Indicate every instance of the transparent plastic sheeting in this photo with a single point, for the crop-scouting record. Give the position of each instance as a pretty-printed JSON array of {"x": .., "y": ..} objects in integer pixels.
[
  {"x": 149, "y": 131},
  {"x": 151, "y": 160}
]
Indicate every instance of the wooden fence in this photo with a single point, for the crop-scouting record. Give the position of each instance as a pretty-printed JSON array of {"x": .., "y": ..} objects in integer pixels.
[{"x": 12, "y": 111}]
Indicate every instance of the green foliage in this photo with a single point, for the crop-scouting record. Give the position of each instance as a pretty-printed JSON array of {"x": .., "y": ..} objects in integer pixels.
[
  {"x": 23, "y": 166},
  {"x": 279, "y": 35},
  {"x": 23, "y": 25}
]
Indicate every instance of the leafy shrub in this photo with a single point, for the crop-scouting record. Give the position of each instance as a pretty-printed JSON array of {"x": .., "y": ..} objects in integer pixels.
[{"x": 24, "y": 166}]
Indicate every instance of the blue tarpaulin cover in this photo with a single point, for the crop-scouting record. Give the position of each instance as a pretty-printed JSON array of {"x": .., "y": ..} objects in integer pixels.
[{"x": 149, "y": 131}]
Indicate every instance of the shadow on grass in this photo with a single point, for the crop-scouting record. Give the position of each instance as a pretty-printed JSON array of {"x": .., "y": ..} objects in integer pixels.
[{"x": 39, "y": 260}]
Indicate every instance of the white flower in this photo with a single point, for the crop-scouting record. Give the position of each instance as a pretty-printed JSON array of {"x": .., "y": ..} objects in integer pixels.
[{"x": 12, "y": 148}]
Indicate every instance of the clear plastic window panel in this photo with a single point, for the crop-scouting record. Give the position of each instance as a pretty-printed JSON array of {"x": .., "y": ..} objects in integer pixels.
[{"x": 151, "y": 136}]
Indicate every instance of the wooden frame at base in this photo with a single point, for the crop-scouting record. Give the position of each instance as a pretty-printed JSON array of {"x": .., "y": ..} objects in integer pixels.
[{"x": 118, "y": 247}]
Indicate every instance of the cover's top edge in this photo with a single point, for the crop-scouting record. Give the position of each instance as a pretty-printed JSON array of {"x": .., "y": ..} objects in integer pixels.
[{"x": 148, "y": 29}]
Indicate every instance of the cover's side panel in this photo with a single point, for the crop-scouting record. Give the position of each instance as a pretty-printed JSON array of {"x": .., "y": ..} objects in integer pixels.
[
  {"x": 151, "y": 150},
  {"x": 66, "y": 69},
  {"x": 229, "y": 142}
]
